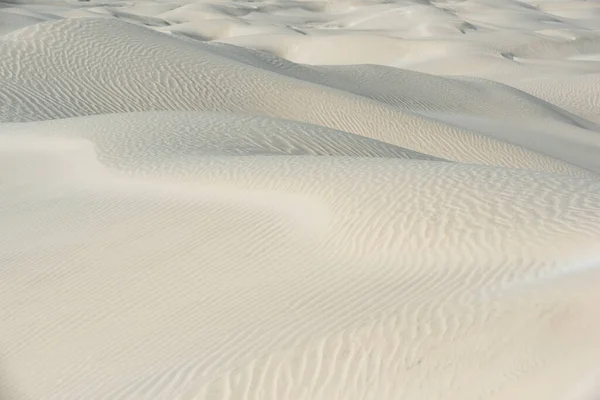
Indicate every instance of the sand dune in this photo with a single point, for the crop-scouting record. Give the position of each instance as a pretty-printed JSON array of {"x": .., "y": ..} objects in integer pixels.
[
  {"x": 299, "y": 200},
  {"x": 140, "y": 70}
]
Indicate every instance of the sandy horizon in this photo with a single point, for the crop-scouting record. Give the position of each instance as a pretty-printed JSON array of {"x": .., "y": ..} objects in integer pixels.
[{"x": 288, "y": 200}]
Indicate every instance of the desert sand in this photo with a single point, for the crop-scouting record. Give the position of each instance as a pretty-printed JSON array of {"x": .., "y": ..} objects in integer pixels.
[{"x": 300, "y": 200}]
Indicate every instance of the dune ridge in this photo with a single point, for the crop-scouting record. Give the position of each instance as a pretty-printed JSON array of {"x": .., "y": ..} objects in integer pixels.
[{"x": 299, "y": 200}]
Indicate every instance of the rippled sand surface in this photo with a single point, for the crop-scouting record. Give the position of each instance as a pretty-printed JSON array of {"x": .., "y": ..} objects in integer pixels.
[{"x": 299, "y": 200}]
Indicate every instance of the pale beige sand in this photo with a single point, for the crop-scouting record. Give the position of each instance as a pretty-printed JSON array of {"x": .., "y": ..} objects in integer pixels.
[{"x": 367, "y": 200}]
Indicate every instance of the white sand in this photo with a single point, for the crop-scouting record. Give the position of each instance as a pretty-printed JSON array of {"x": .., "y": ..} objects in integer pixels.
[{"x": 358, "y": 200}]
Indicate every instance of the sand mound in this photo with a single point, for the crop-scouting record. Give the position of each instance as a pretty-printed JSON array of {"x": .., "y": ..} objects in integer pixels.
[
  {"x": 332, "y": 243},
  {"x": 367, "y": 200},
  {"x": 50, "y": 72},
  {"x": 341, "y": 256}
]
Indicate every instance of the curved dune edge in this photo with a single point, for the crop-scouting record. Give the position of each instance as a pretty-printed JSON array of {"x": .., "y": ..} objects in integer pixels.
[
  {"x": 365, "y": 201},
  {"x": 155, "y": 137}
]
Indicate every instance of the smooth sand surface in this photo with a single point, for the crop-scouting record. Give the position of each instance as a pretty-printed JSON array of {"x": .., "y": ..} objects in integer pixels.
[{"x": 286, "y": 200}]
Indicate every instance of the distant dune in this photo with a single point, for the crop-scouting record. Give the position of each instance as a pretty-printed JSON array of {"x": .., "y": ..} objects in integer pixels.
[{"x": 291, "y": 200}]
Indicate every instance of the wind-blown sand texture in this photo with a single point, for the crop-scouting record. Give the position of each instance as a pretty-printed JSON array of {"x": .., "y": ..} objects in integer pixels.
[{"x": 286, "y": 200}]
